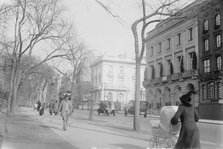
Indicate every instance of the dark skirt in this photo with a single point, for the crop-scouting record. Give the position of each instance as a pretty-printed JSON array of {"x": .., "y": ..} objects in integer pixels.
[{"x": 189, "y": 137}]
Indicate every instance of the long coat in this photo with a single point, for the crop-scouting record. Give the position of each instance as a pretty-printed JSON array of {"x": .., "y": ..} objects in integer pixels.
[{"x": 189, "y": 134}]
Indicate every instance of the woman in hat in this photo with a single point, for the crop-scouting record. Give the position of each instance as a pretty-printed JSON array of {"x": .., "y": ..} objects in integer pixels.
[{"x": 189, "y": 137}]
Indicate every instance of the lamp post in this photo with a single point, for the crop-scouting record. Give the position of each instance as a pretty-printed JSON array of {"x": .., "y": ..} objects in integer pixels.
[{"x": 91, "y": 106}]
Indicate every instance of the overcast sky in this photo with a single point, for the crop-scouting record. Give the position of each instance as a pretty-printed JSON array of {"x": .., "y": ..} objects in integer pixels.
[{"x": 100, "y": 31}]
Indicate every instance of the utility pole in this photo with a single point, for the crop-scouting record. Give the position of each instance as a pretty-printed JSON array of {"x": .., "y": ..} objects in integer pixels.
[{"x": 91, "y": 106}]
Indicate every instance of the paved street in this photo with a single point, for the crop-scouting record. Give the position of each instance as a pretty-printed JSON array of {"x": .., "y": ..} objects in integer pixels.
[{"x": 29, "y": 130}]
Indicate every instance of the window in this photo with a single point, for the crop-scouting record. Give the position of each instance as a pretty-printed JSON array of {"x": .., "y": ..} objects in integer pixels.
[
  {"x": 96, "y": 80},
  {"x": 178, "y": 39},
  {"x": 206, "y": 65},
  {"x": 219, "y": 90},
  {"x": 218, "y": 20},
  {"x": 178, "y": 63},
  {"x": 211, "y": 90},
  {"x": 151, "y": 52},
  {"x": 203, "y": 89},
  {"x": 206, "y": 45},
  {"x": 218, "y": 40},
  {"x": 121, "y": 71},
  {"x": 190, "y": 59},
  {"x": 190, "y": 34},
  {"x": 218, "y": 63},
  {"x": 168, "y": 44},
  {"x": 205, "y": 25},
  {"x": 99, "y": 79},
  {"x": 161, "y": 69},
  {"x": 110, "y": 70},
  {"x": 121, "y": 82},
  {"x": 169, "y": 67},
  {"x": 159, "y": 47},
  {"x": 110, "y": 81}
]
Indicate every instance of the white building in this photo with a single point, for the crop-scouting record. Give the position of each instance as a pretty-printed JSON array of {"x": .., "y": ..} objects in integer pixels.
[{"x": 113, "y": 79}]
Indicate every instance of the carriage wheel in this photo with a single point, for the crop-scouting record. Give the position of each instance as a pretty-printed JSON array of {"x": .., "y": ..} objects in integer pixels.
[
  {"x": 153, "y": 142},
  {"x": 170, "y": 143}
]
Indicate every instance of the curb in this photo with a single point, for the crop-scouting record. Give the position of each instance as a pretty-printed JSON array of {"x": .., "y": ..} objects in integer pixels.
[{"x": 204, "y": 121}]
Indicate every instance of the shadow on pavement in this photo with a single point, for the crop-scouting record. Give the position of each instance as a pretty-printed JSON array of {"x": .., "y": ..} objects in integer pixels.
[
  {"x": 128, "y": 146},
  {"x": 110, "y": 133}
]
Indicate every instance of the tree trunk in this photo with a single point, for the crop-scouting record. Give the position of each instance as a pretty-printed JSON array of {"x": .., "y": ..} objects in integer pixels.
[
  {"x": 16, "y": 82},
  {"x": 72, "y": 90},
  {"x": 91, "y": 109},
  {"x": 136, "y": 123}
]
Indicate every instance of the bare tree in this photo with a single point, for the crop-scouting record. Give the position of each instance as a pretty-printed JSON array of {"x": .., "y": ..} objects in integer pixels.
[
  {"x": 35, "y": 22},
  {"x": 166, "y": 9},
  {"x": 76, "y": 54}
]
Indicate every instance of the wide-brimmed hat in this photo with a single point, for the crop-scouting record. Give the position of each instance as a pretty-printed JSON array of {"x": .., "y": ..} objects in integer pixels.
[{"x": 186, "y": 99}]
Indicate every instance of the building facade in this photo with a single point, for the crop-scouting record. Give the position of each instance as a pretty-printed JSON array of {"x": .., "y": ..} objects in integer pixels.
[
  {"x": 210, "y": 56},
  {"x": 113, "y": 79},
  {"x": 171, "y": 61}
]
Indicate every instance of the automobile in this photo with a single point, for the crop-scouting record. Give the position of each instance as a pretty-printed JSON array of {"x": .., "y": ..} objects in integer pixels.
[
  {"x": 130, "y": 108},
  {"x": 105, "y": 108}
]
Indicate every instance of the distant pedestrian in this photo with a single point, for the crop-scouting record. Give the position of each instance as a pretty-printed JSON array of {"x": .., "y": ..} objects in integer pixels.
[
  {"x": 189, "y": 137},
  {"x": 51, "y": 107},
  {"x": 38, "y": 105},
  {"x": 56, "y": 107},
  {"x": 66, "y": 110},
  {"x": 41, "y": 110}
]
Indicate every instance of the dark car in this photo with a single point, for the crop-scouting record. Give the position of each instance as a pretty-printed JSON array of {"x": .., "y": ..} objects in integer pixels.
[
  {"x": 105, "y": 108},
  {"x": 130, "y": 109}
]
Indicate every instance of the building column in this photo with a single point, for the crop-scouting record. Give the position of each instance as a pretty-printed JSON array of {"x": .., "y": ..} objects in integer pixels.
[{"x": 103, "y": 92}]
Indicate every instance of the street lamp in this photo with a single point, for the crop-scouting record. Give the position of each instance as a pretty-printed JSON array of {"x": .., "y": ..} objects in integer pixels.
[{"x": 91, "y": 106}]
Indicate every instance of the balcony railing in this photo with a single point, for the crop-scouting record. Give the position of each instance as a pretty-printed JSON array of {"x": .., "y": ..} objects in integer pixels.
[{"x": 176, "y": 76}]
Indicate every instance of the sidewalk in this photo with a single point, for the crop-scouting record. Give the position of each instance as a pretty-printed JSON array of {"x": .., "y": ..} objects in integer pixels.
[
  {"x": 85, "y": 134},
  {"x": 26, "y": 132}
]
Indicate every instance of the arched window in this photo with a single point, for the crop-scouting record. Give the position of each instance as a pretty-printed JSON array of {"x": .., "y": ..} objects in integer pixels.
[
  {"x": 109, "y": 96},
  {"x": 206, "y": 25},
  {"x": 218, "y": 20},
  {"x": 178, "y": 94},
  {"x": 121, "y": 97},
  {"x": 210, "y": 90}
]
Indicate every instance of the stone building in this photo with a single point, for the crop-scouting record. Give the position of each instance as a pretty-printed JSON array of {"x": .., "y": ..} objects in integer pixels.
[
  {"x": 210, "y": 56},
  {"x": 171, "y": 61},
  {"x": 113, "y": 79}
]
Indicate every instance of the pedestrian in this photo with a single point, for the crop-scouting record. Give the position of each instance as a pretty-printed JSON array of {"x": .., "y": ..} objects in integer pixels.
[
  {"x": 66, "y": 110},
  {"x": 41, "y": 110},
  {"x": 56, "y": 108},
  {"x": 51, "y": 107},
  {"x": 189, "y": 137},
  {"x": 38, "y": 105}
]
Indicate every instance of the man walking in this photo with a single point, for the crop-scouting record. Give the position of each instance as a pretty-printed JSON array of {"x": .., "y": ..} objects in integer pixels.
[{"x": 65, "y": 109}]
